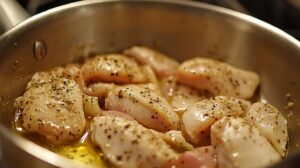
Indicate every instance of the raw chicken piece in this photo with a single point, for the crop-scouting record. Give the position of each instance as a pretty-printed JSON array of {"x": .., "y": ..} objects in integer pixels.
[
  {"x": 118, "y": 114},
  {"x": 99, "y": 89},
  {"x": 271, "y": 124},
  {"x": 151, "y": 86},
  {"x": 203, "y": 157},
  {"x": 176, "y": 140},
  {"x": 184, "y": 96},
  {"x": 73, "y": 70},
  {"x": 52, "y": 106},
  {"x": 126, "y": 143},
  {"x": 112, "y": 68},
  {"x": 167, "y": 87},
  {"x": 218, "y": 78},
  {"x": 181, "y": 96},
  {"x": 241, "y": 145},
  {"x": 161, "y": 64},
  {"x": 42, "y": 77},
  {"x": 91, "y": 106},
  {"x": 145, "y": 105},
  {"x": 150, "y": 74},
  {"x": 198, "y": 117}
]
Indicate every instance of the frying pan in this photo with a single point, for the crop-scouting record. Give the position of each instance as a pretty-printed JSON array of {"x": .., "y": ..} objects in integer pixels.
[{"x": 181, "y": 29}]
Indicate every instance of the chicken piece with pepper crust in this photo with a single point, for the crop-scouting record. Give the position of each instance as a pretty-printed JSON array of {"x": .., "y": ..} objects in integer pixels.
[
  {"x": 52, "y": 106},
  {"x": 114, "y": 68},
  {"x": 240, "y": 145},
  {"x": 161, "y": 64},
  {"x": 218, "y": 78},
  {"x": 198, "y": 117},
  {"x": 126, "y": 143},
  {"x": 147, "y": 106},
  {"x": 271, "y": 123}
]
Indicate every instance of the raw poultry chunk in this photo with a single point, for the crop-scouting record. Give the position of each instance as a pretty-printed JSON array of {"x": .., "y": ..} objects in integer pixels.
[
  {"x": 271, "y": 124},
  {"x": 184, "y": 96},
  {"x": 126, "y": 143},
  {"x": 118, "y": 114},
  {"x": 218, "y": 78},
  {"x": 150, "y": 74},
  {"x": 73, "y": 70},
  {"x": 112, "y": 68},
  {"x": 203, "y": 157},
  {"x": 52, "y": 106},
  {"x": 241, "y": 145},
  {"x": 198, "y": 117},
  {"x": 99, "y": 89},
  {"x": 167, "y": 87},
  {"x": 176, "y": 140},
  {"x": 161, "y": 64},
  {"x": 145, "y": 105}
]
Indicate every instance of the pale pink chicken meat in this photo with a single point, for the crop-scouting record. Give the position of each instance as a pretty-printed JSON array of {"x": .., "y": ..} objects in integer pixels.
[
  {"x": 150, "y": 74},
  {"x": 112, "y": 68},
  {"x": 99, "y": 89},
  {"x": 240, "y": 145},
  {"x": 198, "y": 117},
  {"x": 52, "y": 106},
  {"x": 73, "y": 70},
  {"x": 184, "y": 96},
  {"x": 203, "y": 157},
  {"x": 271, "y": 124},
  {"x": 118, "y": 114},
  {"x": 145, "y": 105},
  {"x": 181, "y": 96},
  {"x": 167, "y": 87},
  {"x": 161, "y": 64},
  {"x": 218, "y": 78},
  {"x": 175, "y": 139},
  {"x": 126, "y": 143}
]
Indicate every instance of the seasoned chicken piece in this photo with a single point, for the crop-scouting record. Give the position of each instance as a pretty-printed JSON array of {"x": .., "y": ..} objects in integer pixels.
[
  {"x": 126, "y": 143},
  {"x": 218, "y": 78},
  {"x": 91, "y": 106},
  {"x": 239, "y": 144},
  {"x": 176, "y": 140},
  {"x": 73, "y": 70},
  {"x": 161, "y": 64},
  {"x": 151, "y": 86},
  {"x": 145, "y": 105},
  {"x": 52, "y": 106},
  {"x": 112, "y": 68},
  {"x": 203, "y": 157},
  {"x": 184, "y": 96},
  {"x": 150, "y": 74},
  {"x": 99, "y": 89},
  {"x": 167, "y": 87},
  {"x": 118, "y": 114},
  {"x": 271, "y": 124},
  {"x": 198, "y": 117},
  {"x": 41, "y": 77},
  {"x": 181, "y": 96}
]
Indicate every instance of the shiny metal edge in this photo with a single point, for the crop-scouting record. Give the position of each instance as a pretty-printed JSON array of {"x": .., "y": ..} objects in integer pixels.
[
  {"x": 263, "y": 25},
  {"x": 58, "y": 160}
]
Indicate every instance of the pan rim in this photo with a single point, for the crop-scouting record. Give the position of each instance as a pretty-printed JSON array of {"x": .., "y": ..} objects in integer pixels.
[{"x": 58, "y": 160}]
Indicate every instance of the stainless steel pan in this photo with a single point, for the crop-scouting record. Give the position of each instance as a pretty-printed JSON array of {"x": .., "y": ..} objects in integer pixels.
[{"x": 181, "y": 29}]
